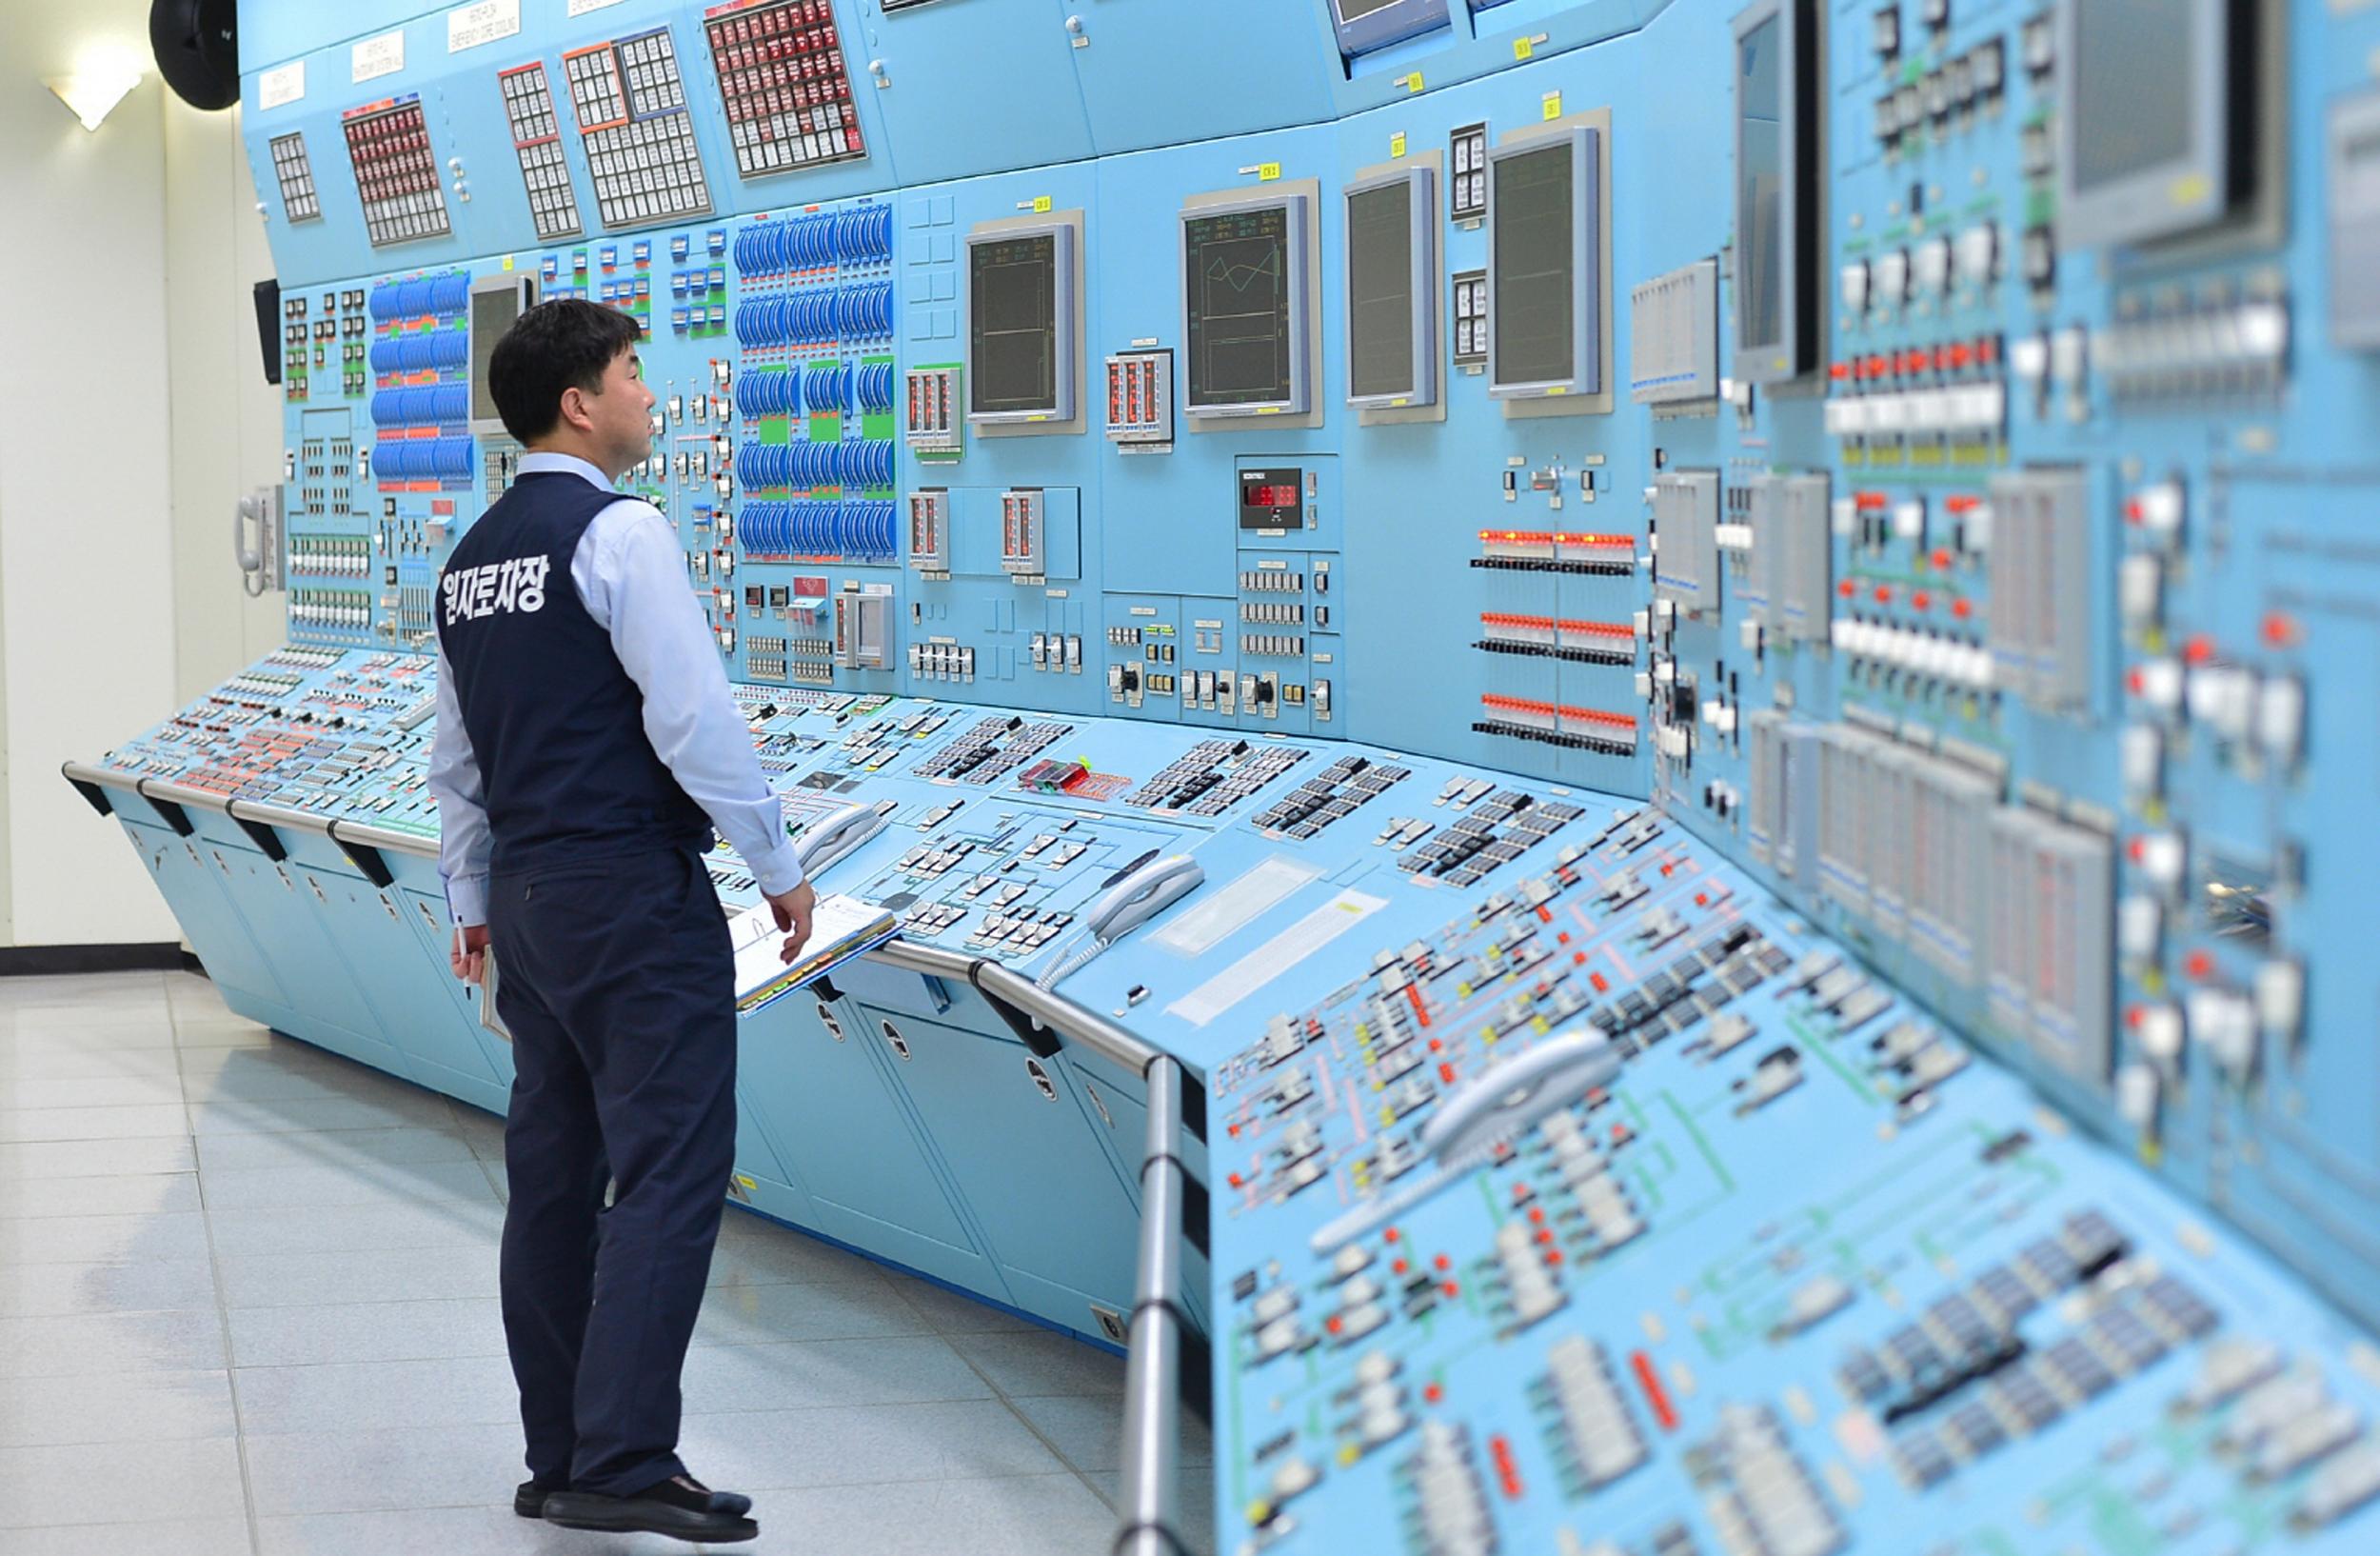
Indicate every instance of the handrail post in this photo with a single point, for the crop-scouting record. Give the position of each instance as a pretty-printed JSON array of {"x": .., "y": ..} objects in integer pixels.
[{"x": 1153, "y": 1370}]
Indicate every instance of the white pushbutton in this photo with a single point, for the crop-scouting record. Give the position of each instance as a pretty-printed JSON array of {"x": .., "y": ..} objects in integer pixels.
[
  {"x": 2160, "y": 1032},
  {"x": 2160, "y": 856}
]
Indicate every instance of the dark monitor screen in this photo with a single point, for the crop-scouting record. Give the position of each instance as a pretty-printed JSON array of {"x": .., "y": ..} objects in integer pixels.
[
  {"x": 1012, "y": 324},
  {"x": 1379, "y": 290},
  {"x": 1534, "y": 207},
  {"x": 1761, "y": 191},
  {"x": 2132, "y": 89},
  {"x": 1235, "y": 265},
  {"x": 493, "y": 312},
  {"x": 1350, "y": 10}
]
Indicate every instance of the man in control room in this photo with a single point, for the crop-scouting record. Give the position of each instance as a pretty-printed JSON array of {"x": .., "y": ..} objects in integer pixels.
[{"x": 588, "y": 744}]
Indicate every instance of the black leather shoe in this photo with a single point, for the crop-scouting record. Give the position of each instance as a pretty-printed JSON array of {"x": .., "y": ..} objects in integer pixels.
[
  {"x": 528, "y": 1499},
  {"x": 682, "y": 1508}
]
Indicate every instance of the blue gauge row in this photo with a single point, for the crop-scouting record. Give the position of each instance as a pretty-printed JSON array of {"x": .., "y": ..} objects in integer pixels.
[
  {"x": 866, "y": 461},
  {"x": 431, "y": 404},
  {"x": 857, "y": 237},
  {"x": 422, "y": 459},
  {"x": 861, "y": 532},
  {"x": 770, "y": 394},
  {"x": 442, "y": 295},
  {"x": 419, "y": 353},
  {"x": 811, "y": 318},
  {"x": 875, "y": 385}
]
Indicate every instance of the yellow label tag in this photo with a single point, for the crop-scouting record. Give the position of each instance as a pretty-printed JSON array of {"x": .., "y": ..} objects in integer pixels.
[
  {"x": 1553, "y": 105},
  {"x": 1041, "y": 204},
  {"x": 1559, "y": 388},
  {"x": 1412, "y": 82},
  {"x": 507, "y": 262},
  {"x": 1523, "y": 48},
  {"x": 1268, "y": 411},
  {"x": 1397, "y": 144},
  {"x": 749, "y": 1183},
  {"x": 1398, "y": 405},
  {"x": 1388, "y": 1120},
  {"x": 1267, "y": 172}
]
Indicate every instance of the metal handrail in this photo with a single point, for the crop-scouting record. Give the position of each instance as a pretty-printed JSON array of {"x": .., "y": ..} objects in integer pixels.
[
  {"x": 364, "y": 834},
  {"x": 1153, "y": 1368},
  {"x": 273, "y": 816},
  {"x": 116, "y": 778}
]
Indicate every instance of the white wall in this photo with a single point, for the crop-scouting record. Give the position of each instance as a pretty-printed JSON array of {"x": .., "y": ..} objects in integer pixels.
[
  {"x": 227, "y": 419},
  {"x": 87, "y": 618}
]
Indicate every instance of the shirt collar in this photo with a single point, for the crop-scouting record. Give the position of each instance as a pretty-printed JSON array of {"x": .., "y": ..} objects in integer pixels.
[{"x": 546, "y": 462}]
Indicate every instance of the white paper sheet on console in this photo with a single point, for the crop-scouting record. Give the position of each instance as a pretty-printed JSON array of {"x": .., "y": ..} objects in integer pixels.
[{"x": 1269, "y": 961}]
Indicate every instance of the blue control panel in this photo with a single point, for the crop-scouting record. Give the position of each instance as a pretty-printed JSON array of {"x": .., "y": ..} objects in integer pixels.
[{"x": 1753, "y": 617}]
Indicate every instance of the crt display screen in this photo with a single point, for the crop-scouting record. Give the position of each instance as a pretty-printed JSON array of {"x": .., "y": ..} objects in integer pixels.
[
  {"x": 1350, "y": 10},
  {"x": 1012, "y": 324},
  {"x": 2132, "y": 88},
  {"x": 1379, "y": 290},
  {"x": 1534, "y": 207},
  {"x": 1234, "y": 265},
  {"x": 492, "y": 314},
  {"x": 1760, "y": 186}
]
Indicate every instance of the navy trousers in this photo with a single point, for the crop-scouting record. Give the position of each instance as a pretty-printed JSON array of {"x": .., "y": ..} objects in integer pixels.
[{"x": 617, "y": 984}]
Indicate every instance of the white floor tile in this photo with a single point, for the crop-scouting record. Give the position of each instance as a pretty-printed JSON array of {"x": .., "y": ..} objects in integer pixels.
[
  {"x": 370, "y": 1472},
  {"x": 368, "y": 1331},
  {"x": 125, "y": 1240},
  {"x": 390, "y": 1222},
  {"x": 767, "y": 1451},
  {"x": 169, "y": 1537},
  {"x": 43, "y": 1290},
  {"x": 315, "y": 1280},
  {"x": 62, "y": 1345},
  {"x": 449, "y": 1531},
  {"x": 313, "y": 1186},
  {"x": 360, "y": 1149},
  {"x": 117, "y": 1195},
  {"x": 25, "y": 1125},
  {"x": 114, "y": 1407},
  {"x": 1025, "y": 1365},
  {"x": 159, "y": 1089},
  {"x": 1035, "y": 1515},
  {"x": 827, "y": 1371},
  {"x": 98, "y": 1158},
  {"x": 755, "y": 1315},
  {"x": 341, "y": 1397},
  {"x": 193, "y": 1478}
]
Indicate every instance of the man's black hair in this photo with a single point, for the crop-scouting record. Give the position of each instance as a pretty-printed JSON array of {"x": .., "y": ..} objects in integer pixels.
[{"x": 551, "y": 347}]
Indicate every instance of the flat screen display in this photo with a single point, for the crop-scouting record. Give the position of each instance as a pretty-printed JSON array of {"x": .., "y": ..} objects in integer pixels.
[
  {"x": 1012, "y": 324},
  {"x": 492, "y": 314},
  {"x": 1760, "y": 193},
  {"x": 2132, "y": 89},
  {"x": 1379, "y": 290},
  {"x": 1239, "y": 319},
  {"x": 1533, "y": 208}
]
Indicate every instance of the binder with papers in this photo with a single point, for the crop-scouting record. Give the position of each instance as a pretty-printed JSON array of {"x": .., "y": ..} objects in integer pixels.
[{"x": 841, "y": 928}]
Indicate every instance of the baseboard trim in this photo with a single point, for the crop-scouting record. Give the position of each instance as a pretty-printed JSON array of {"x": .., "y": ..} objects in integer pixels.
[{"x": 40, "y": 961}]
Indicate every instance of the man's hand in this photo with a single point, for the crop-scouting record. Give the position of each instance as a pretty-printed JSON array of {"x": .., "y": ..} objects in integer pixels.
[
  {"x": 793, "y": 909},
  {"x": 468, "y": 955}
]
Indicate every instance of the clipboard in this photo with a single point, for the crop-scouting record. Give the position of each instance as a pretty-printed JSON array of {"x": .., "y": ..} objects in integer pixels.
[{"x": 841, "y": 928}]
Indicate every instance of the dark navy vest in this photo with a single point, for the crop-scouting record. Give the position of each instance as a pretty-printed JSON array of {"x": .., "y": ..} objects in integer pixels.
[{"x": 555, "y": 722}]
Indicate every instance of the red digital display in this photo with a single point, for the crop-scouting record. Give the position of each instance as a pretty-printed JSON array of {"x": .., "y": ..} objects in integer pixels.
[{"x": 1272, "y": 497}]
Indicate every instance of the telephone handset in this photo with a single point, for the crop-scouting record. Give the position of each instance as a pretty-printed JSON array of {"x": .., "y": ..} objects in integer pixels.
[
  {"x": 826, "y": 842},
  {"x": 1141, "y": 896},
  {"x": 1147, "y": 891}
]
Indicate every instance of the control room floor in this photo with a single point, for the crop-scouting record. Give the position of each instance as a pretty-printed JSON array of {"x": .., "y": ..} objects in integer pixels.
[{"x": 248, "y": 1304}]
